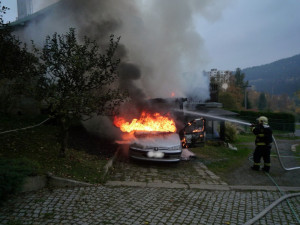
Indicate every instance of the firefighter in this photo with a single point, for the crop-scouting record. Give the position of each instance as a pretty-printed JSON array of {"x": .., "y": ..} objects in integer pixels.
[{"x": 263, "y": 143}]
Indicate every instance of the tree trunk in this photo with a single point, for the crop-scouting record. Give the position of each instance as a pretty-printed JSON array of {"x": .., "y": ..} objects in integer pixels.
[{"x": 63, "y": 138}]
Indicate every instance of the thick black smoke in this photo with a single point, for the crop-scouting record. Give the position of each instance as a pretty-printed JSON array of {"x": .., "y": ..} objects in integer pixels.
[
  {"x": 157, "y": 37},
  {"x": 160, "y": 49},
  {"x": 129, "y": 73}
]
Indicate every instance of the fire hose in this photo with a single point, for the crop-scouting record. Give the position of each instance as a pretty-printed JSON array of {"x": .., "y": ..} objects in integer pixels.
[
  {"x": 270, "y": 207},
  {"x": 242, "y": 123},
  {"x": 279, "y": 157},
  {"x": 266, "y": 210},
  {"x": 25, "y": 128},
  {"x": 285, "y": 196}
]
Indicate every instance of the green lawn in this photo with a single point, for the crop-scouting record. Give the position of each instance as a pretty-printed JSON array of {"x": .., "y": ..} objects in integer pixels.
[
  {"x": 221, "y": 159},
  {"x": 40, "y": 146},
  {"x": 245, "y": 138},
  {"x": 277, "y": 134}
]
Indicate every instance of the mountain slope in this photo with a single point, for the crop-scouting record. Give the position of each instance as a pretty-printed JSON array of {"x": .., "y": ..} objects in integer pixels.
[{"x": 279, "y": 77}]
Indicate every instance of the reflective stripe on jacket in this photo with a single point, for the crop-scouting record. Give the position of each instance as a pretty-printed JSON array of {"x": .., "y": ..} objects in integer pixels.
[{"x": 263, "y": 135}]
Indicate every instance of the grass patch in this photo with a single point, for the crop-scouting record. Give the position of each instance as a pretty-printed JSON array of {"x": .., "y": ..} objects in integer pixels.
[
  {"x": 286, "y": 137},
  {"x": 279, "y": 134},
  {"x": 220, "y": 159},
  {"x": 40, "y": 146},
  {"x": 297, "y": 126},
  {"x": 250, "y": 137},
  {"x": 245, "y": 138}
]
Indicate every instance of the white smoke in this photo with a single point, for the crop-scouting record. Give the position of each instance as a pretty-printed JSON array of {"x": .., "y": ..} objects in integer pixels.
[
  {"x": 159, "y": 38},
  {"x": 160, "y": 49}
]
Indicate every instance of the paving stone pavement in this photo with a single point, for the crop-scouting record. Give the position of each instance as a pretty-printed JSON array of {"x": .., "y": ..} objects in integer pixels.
[
  {"x": 185, "y": 172},
  {"x": 136, "y": 205},
  {"x": 184, "y": 193}
]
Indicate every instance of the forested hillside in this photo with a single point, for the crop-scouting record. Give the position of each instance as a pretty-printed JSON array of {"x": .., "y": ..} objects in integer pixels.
[{"x": 279, "y": 77}]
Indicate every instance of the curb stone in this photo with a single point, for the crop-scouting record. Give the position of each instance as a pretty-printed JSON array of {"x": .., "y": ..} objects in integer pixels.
[
  {"x": 59, "y": 182},
  {"x": 110, "y": 163},
  {"x": 199, "y": 186},
  {"x": 49, "y": 181}
]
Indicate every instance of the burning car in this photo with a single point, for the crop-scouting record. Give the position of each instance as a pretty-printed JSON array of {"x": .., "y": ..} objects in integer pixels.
[
  {"x": 193, "y": 133},
  {"x": 153, "y": 137},
  {"x": 156, "y": 146}
]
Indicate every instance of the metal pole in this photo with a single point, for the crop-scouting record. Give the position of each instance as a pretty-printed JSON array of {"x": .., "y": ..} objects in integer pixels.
[
  {"x": 246, "y": 95},
  {"x": 245, "y": 99}
]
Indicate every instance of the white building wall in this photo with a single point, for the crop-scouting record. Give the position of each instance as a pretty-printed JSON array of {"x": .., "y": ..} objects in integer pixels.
[
  {"x": 28, "y": 7},
  {"x": 221, "y": 76},
  {"x": 24, "y": 8},
  {"x": 41, "y": 4}
]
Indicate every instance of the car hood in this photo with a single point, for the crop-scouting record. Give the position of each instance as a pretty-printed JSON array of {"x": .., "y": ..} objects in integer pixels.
[{"x": 164, "y": 140}]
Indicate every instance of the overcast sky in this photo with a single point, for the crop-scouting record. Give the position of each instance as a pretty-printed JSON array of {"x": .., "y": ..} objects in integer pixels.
[{"x": 247, "y": 32}]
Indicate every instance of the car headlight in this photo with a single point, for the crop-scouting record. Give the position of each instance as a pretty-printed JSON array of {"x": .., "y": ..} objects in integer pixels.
[{"x": 175, "y": 147}]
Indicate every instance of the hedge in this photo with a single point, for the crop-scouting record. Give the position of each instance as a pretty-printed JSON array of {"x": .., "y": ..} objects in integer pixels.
[{"x": 277, "y": 121}]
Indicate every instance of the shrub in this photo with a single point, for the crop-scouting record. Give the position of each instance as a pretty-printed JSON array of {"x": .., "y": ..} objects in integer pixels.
[
  {"x": 13, "y": 173},
  {"x": 230, "y": 132}
]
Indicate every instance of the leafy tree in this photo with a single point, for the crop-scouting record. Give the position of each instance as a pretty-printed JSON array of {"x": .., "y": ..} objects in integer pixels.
[
  {"x": 249, "y": 104},
  {"x": 253, "y": 98},
  {"x": 79, "y": 80},
  {"x": 297, "y": 98},
  {"x": 19, "y": 68},
  {"x": 228, "y": 100},
  {"x": 239, "y": 79},
  {"x": 297, "y": 93},
  {"x": 3, "y": 10},
  {"x": 262, "y": 101},
  {"x": 240, "y": 84}
]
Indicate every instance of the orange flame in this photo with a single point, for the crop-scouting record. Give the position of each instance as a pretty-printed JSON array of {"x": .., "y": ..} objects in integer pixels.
[
  {"x": 198, "y": 130},
  {"x": 146, "y": 122}
]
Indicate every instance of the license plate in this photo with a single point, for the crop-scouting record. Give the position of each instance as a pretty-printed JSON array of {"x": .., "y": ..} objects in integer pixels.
[{"x": 155, "y": 154}]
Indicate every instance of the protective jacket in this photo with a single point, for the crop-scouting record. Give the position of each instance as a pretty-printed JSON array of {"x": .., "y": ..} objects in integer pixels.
[
  {"x": 263, "y": 142},
  {"x": 263, "y": 135}
]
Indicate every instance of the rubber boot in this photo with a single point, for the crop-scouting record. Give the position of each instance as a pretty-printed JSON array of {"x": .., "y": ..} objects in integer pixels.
[
  {"x": 266, "y": 169},
  {"x": 255, "y": 167}
]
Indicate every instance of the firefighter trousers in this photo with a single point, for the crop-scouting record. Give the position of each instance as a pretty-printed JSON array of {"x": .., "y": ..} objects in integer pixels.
[{"x": 264, "y": 152}]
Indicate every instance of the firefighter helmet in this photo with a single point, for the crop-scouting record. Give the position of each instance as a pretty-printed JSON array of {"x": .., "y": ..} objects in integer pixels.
[{"x": 262, "y": 119}]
